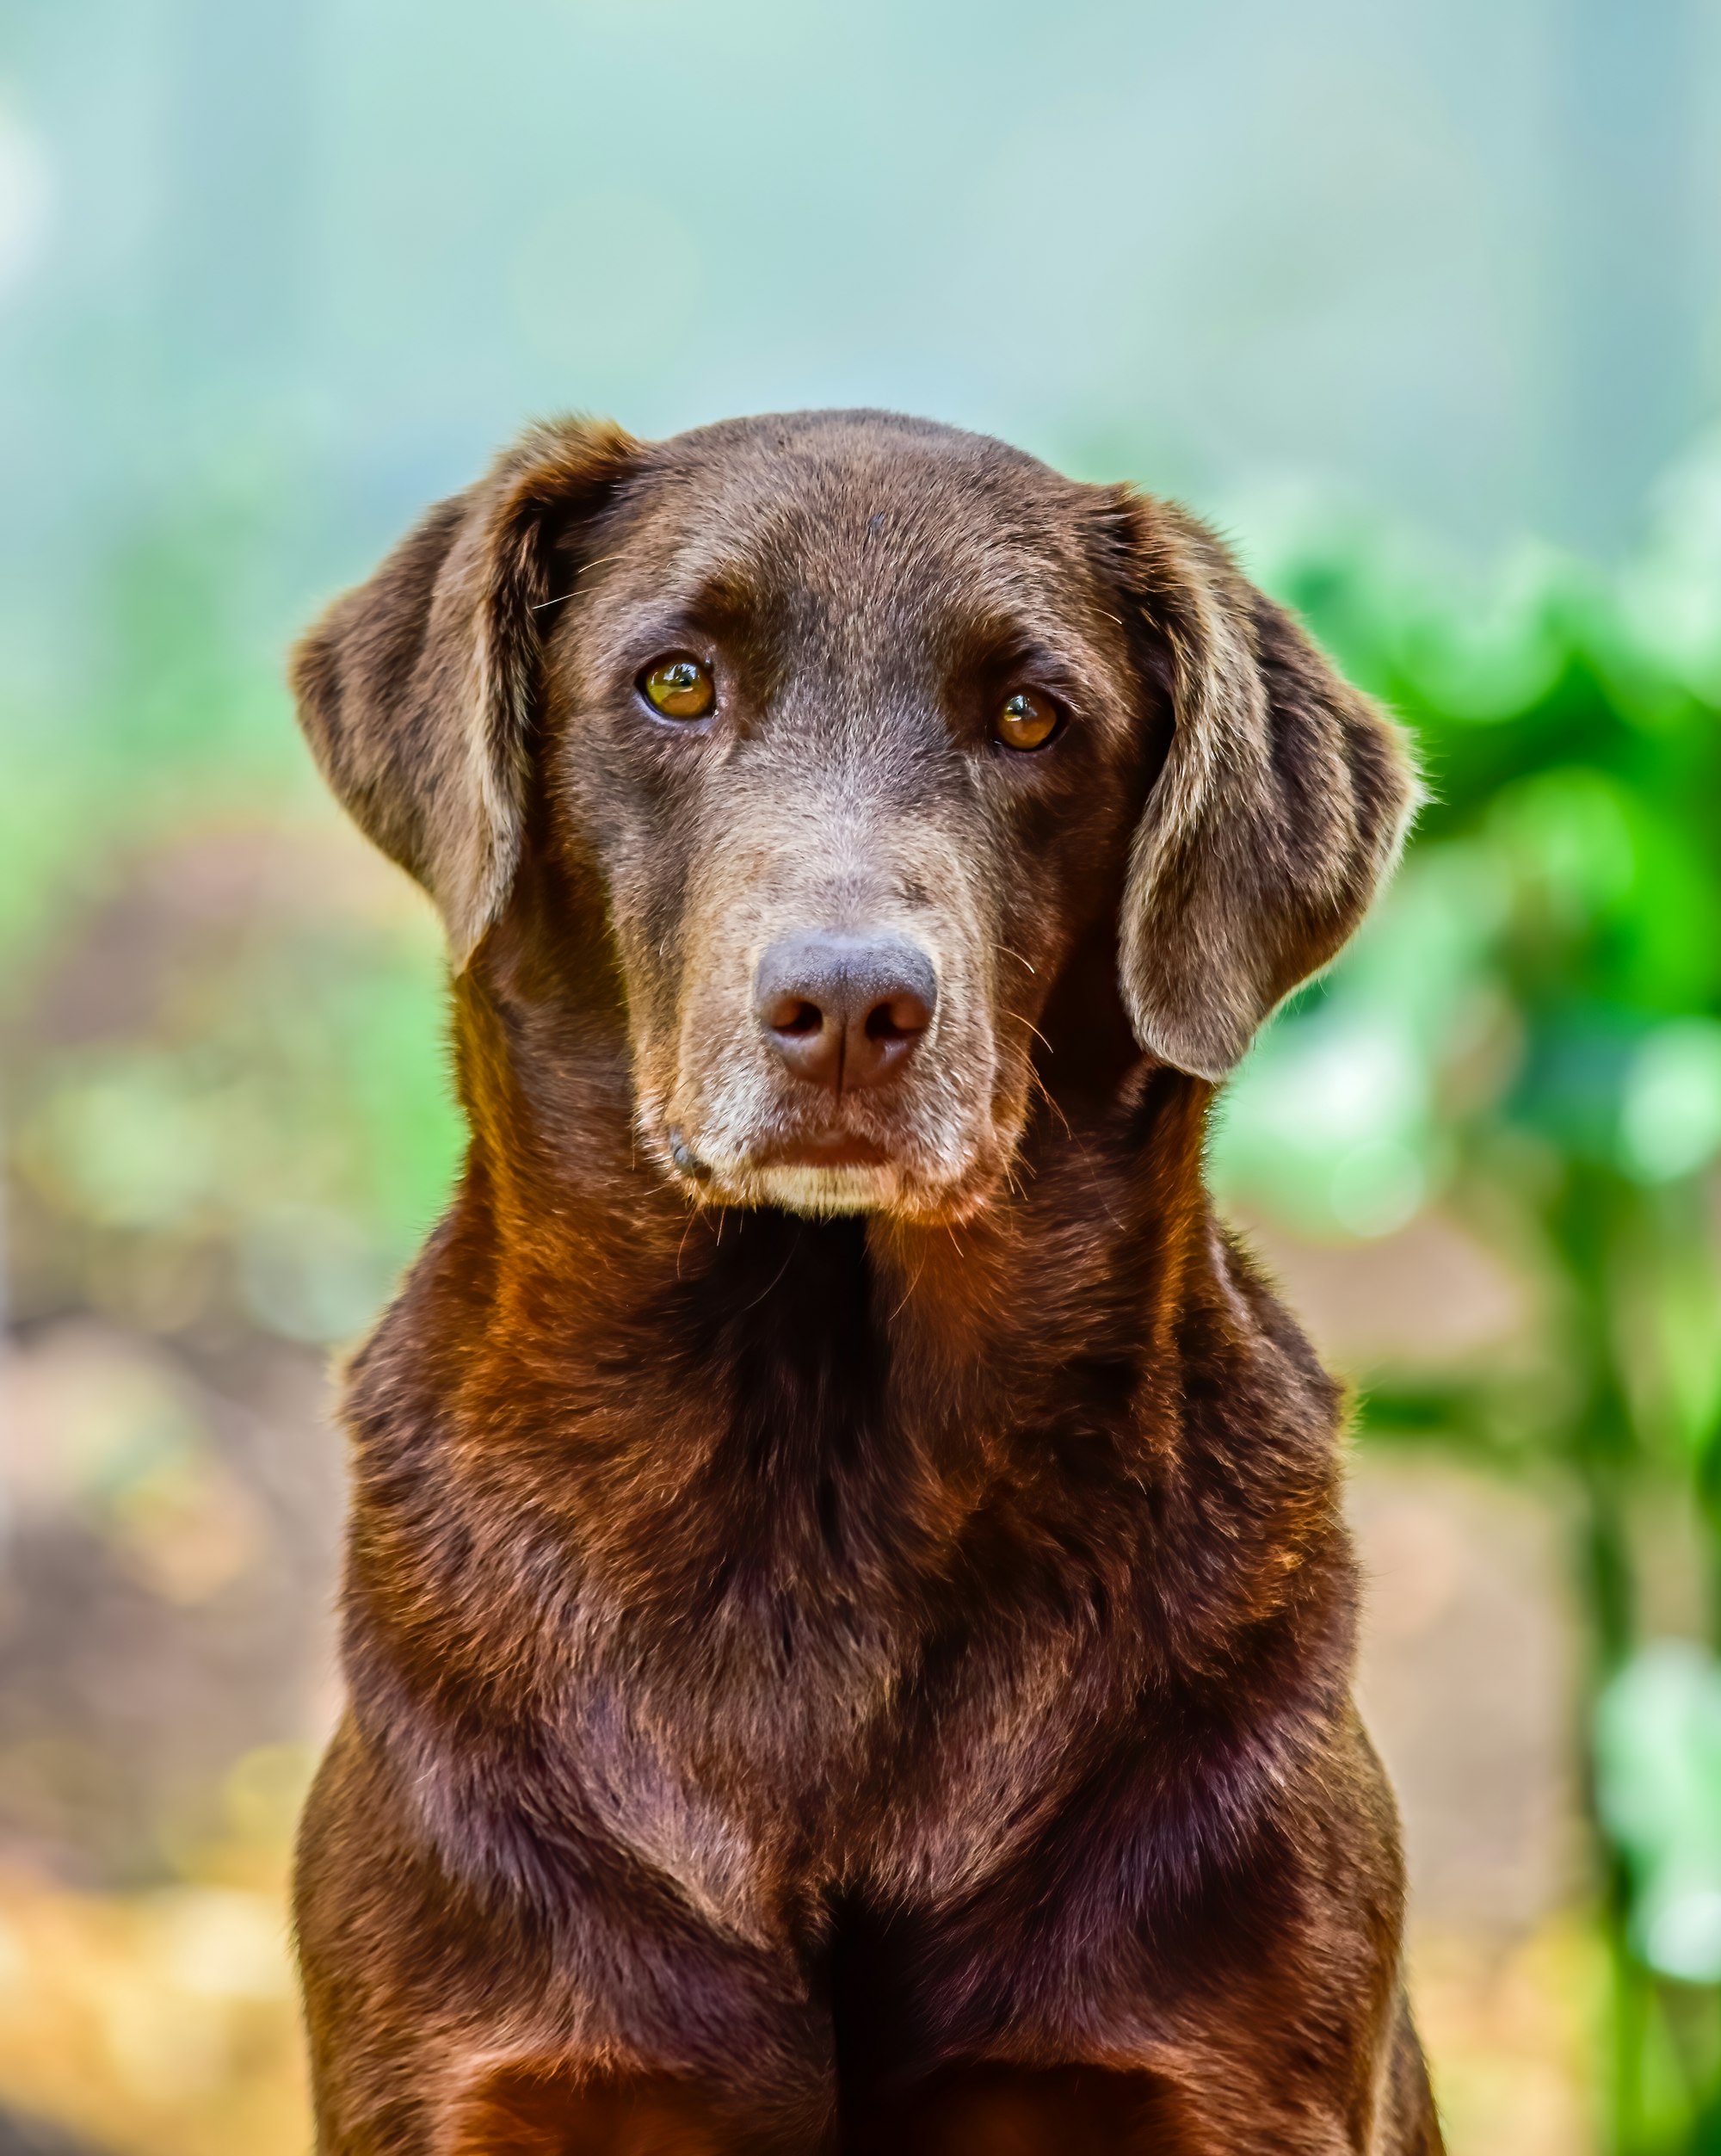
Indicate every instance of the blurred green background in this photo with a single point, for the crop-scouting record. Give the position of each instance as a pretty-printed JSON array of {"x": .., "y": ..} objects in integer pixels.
[{"x": 1421, "y": 301}]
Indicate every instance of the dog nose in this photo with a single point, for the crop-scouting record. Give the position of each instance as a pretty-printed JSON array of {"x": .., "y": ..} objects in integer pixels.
[{"x": 844, "y": 1011}]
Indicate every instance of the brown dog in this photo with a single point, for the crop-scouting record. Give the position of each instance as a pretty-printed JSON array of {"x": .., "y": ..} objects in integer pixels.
[{"x": 847, "y": 1618}]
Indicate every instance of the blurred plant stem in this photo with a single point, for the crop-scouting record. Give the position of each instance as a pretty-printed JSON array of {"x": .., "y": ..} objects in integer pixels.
[
  {"x": 1598, "y": 1448},
  {"x": 1664, "y": 2056}
]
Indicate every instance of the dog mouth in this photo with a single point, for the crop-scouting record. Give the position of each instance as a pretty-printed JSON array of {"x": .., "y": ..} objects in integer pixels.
[
  {"x": 826, "y": 1173},
  {"x": 831, "y": 1152},
  {"x": 922, "y": 1146},
  {"x": 830, "y": 1173}
]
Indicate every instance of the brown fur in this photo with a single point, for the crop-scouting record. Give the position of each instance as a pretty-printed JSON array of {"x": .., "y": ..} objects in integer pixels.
[{"x": 847, "y": 1656}]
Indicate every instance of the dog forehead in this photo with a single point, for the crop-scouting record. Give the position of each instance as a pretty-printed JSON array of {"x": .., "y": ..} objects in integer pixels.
[{"x": 861, "y": 513}]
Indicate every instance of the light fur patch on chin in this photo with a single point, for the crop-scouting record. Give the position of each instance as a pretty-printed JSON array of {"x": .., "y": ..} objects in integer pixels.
[{"x": 824, "y": 1191}]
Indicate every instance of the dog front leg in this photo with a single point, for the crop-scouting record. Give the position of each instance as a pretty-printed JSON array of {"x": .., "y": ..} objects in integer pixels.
[
  {"x": 616, "y": 2023},
  {"x": 541, "y": 2108}
]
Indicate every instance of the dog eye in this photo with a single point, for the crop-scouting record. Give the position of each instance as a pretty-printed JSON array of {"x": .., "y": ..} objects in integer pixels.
[
  {"x": 679, "y": 687},
  {"x": 1026, "y": 721}
]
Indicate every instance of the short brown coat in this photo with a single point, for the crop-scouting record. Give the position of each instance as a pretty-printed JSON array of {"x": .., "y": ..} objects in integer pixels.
[{"x": 878, "y": 1681}]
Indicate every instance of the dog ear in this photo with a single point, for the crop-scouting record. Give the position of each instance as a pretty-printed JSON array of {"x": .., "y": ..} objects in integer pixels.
[
  {"x": 417, "y": 691},
  {"x": 1281, "y": 804}
]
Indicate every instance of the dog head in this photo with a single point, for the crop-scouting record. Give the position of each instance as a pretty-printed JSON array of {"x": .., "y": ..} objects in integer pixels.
[{"x": 861, "y": 729}]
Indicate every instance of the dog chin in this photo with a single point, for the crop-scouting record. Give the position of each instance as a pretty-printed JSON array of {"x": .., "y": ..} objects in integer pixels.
[
  {"x": 825, "y": 1192},
  {"x": 820, "y": 1193}
]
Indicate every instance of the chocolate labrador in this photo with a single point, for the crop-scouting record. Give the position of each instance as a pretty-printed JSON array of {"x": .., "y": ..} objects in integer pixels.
[{"x": 847, "y": 1619}]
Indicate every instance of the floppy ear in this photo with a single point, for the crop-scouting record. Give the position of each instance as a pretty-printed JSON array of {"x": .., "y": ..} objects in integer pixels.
[
  {"x": 1282, "y": 803},
  {"x": 417, "y": 691}
]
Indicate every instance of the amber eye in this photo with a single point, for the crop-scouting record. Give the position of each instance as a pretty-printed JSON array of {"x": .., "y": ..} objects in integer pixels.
[
  {"x": 1026, "y": 721},
  {"x": 681, "y": 687}
]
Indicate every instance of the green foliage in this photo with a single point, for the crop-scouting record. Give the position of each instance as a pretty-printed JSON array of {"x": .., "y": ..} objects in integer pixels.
[
  {"x": 224, "y": 1089},
  {"x": 1658, "y": 1787},
  {"x": 1530, "y": 1032}
]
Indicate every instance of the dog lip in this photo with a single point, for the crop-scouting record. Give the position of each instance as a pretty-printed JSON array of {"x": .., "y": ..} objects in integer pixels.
[
  {"x": 834, "y": 1149},
  {"x": 686, "y": 1161}
]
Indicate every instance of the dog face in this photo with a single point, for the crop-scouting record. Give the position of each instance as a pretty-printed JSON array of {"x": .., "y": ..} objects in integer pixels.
[
  {"x": 897, "y": 736},
  {"x": 862, "y": 728}
]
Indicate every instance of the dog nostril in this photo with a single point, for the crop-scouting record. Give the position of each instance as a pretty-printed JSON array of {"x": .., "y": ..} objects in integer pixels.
[
  {"x": 900, "y": 1017},
  {"x": 794, "y": 1016}
]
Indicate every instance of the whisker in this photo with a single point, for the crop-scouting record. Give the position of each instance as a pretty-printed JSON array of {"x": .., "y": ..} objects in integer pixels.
[
  {"x": 908, "y": 1292},
  {"x": 600, "y": 562},
  {"x": 782, "y": 1273},
  {"x": 1033, "y": 1028},
  {"x": 1044, "y": 1090},
  {"x": 692, "y": 1215}
]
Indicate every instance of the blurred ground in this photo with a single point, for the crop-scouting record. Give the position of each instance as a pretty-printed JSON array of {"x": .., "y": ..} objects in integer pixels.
[
  {"x": 1468, "y": 1685},
  {"x": 1469, "y": 1682},
  {"x": 164, "y": 1676}
]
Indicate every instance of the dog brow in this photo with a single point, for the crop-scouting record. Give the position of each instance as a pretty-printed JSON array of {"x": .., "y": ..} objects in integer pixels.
[{"x": 563, "y": 599}]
